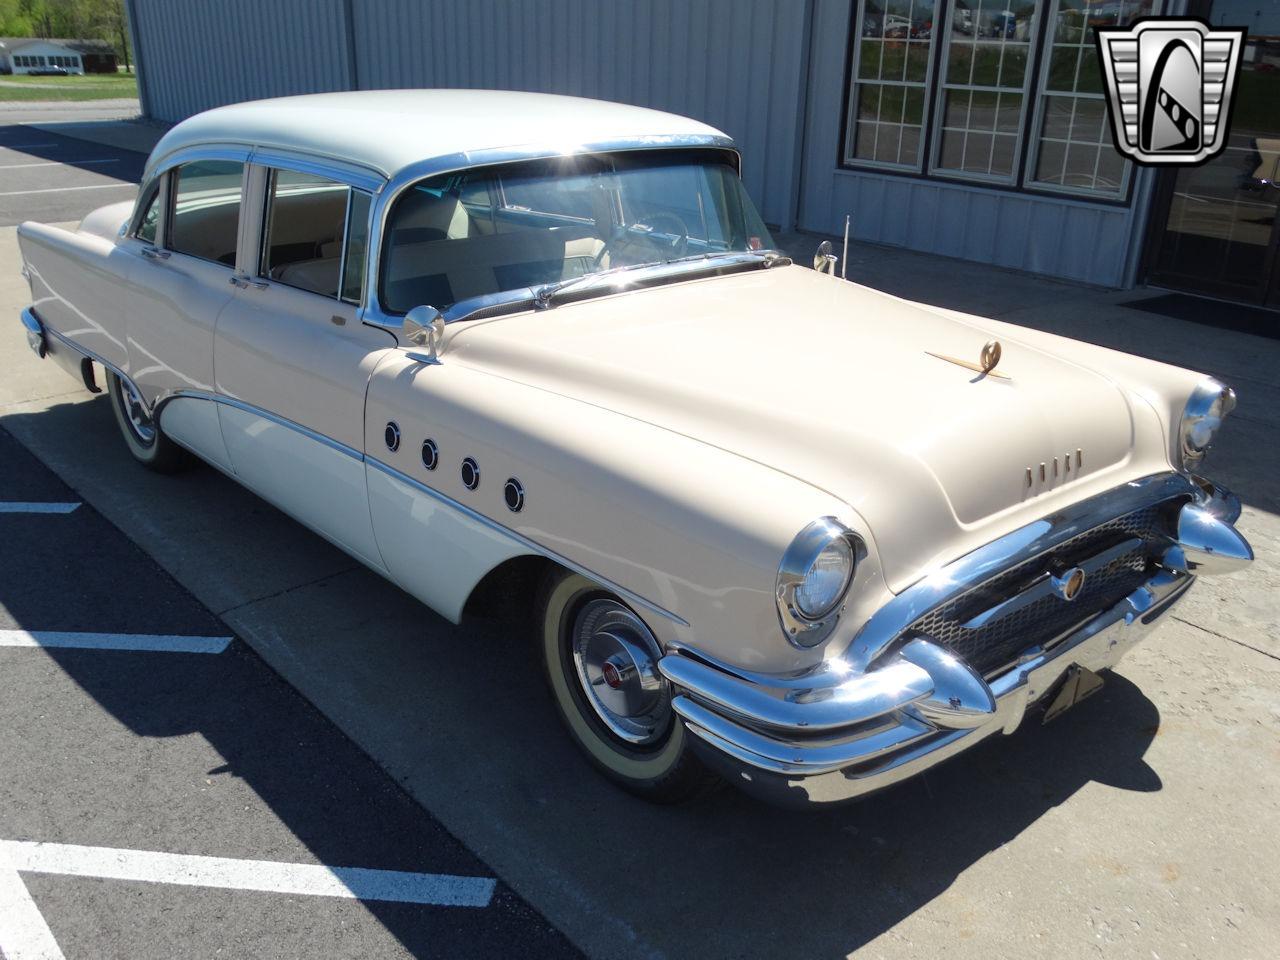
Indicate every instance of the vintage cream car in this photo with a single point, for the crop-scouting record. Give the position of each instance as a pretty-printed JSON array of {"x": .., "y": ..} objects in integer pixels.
[{"x": 792, "y": 531}]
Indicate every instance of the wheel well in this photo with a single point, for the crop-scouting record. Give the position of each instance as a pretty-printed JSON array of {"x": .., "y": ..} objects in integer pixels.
[{"x": 510, "y": 590}]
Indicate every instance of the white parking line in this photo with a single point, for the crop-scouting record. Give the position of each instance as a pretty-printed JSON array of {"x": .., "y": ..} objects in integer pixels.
[
  {"x": 95, "y": 186},
  {"x": 140, "y": 642},
  {"x": 24, "y": 935},
  {"x": 18, "y": 507},
  {"x": 263, "y": 876},
  {"x": 55, "y": 163}
]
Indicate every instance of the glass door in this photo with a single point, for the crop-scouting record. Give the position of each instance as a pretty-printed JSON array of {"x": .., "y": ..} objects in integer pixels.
[{"x": 1218, "y": 231}]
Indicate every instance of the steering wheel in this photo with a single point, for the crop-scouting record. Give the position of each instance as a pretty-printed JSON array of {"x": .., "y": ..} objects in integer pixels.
[{"x": 657, "y": 223}]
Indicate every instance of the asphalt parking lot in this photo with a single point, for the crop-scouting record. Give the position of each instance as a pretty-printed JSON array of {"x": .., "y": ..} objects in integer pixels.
[{"x": 1139, "y": 825}]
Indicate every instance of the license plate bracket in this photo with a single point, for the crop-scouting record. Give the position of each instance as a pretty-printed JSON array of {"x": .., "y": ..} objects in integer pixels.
[{"x": 1076, "y": 684}]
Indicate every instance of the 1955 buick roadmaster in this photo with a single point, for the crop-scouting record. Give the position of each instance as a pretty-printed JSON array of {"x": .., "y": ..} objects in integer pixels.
[{"x": 792, "y": 532}]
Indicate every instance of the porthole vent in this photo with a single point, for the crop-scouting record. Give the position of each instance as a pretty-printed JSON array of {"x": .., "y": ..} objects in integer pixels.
[
  {"x": 392, "y": 436},
  {"x": 470, "y": 474},
  {"x": 513, "y": 494},
  {"x": 430, "y": 454}
]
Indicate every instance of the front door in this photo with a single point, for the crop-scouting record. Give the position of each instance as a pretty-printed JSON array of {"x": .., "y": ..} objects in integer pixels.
[
  {"x": 293, "y": 360},
  {"x": 1217, "y": 230}
]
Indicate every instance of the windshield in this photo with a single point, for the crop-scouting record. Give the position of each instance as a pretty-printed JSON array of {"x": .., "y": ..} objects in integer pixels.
[{"x": 489, "y": 230}]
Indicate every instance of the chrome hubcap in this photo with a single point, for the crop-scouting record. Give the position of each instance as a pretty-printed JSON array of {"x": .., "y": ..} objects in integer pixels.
[
  {"x": 136, "y": 413},
  {"x": 617, "y": 662}
]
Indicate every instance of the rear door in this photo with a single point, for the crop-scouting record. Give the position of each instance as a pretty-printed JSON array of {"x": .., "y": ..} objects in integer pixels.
[
  {"x": 292, "y": 358},
  {"x": 187, "y": 244}
]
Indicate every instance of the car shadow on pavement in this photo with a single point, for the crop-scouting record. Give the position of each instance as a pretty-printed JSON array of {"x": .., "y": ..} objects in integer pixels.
[{"x": 459, "y": 717}]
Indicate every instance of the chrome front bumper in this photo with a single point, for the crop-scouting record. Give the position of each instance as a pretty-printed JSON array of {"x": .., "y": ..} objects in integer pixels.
[{"x": 843, "y": 730}]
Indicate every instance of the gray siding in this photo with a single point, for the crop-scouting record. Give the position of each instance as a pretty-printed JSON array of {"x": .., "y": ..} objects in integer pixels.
[
  {"x": 1028, "y": 231},
  {"x": 736, "y": 64}
]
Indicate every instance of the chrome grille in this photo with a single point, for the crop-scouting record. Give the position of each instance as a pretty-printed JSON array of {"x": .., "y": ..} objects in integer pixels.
[{"x": 995, "y": 645}]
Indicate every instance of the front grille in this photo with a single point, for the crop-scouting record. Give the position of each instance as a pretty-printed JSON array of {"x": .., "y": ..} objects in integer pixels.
[{"x": 995, "y": 645}]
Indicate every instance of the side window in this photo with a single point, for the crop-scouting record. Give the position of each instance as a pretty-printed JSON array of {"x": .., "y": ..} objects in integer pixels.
[
  {"x": 306, "y": 225},
  {"x": 357, "y": 247},
  {"x": 206, "y": 210},
  {"x": 151, "y": 219}
]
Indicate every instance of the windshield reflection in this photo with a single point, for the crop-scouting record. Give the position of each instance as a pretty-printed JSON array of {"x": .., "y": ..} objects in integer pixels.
[{"x": 496, "y": 234}]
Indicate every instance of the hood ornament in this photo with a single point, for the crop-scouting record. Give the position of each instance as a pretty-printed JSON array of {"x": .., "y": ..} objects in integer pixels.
[{"x": 987, "y": 360}]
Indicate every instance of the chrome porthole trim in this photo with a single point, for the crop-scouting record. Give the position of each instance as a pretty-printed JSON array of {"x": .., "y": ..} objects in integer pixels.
[
  {"x": 391, "y": 436},
  {"x": 470, "y": 472},
  {"x": 513, "y": 494},
  {"x": 616, "y": 660},
  {"x": 800, "y": 629},
  {"x": 430, "y": 454}
]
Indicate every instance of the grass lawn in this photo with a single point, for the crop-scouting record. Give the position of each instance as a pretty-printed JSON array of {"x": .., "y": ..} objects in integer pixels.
[{"x": 92, "y": 86}]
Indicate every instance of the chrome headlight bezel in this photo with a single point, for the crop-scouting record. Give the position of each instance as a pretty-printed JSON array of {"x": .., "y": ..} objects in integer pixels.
[
  {"x": 1202, "y": 417},
  {"x": 807, "y": 630}
]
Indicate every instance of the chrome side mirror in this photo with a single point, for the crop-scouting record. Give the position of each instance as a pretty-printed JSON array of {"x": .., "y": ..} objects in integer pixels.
[
  {"x": 424, "y": 327},
  {"x": 824, "y": 261}
]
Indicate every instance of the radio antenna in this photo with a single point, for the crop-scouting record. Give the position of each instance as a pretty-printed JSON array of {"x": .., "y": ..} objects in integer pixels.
[{"x": 844, "y": 260}]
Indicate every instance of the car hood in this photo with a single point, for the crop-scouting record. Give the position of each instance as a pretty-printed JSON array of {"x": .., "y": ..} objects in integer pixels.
[{"x": 834, "y": 384}]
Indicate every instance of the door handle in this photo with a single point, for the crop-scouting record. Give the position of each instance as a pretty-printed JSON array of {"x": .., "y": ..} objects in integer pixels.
[
  {"x": 155, "y": 253},
  {"x": 243, "y": 282}
]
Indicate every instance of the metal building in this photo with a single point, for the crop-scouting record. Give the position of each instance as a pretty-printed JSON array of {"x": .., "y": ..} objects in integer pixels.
[{"x": 971, "y": 128}]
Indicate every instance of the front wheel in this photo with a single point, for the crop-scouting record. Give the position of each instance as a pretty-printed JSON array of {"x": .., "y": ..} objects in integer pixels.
[
  {"x": 142, "y": 435},
  {"x": 601, "y": 665}
]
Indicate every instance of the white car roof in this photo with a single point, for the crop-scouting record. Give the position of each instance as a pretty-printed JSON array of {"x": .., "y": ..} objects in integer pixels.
[{"x": 389, "y": 130}]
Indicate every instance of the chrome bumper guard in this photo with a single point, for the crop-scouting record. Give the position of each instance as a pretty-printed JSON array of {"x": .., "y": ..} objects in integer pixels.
[{"x": 841, "y": 731}]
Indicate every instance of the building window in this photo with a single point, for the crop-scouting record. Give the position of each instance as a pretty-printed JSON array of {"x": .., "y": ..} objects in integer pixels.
[
  {"x": 1011, "y": 94},
  {"x": 985, "y": 84},
  {"x": 1073, "y": 149},
  {"x": 893, "y": 64}
]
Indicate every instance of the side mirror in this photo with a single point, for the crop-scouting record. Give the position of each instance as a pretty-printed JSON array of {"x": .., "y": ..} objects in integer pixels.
[
  {"x": 424, "y": 327},
  {"x": 824, "y": 261}
]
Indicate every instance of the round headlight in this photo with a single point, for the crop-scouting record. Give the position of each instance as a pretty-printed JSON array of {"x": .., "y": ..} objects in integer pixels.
[
  {"x": 813, "y": 578},
  {"x": 1209, "y": 404}
]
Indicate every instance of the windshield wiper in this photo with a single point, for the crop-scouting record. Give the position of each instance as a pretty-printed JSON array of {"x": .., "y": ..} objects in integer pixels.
[{"x": 545, "y": 296}]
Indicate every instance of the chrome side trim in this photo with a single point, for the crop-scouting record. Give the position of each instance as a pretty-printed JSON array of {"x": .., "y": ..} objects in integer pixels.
[
  {"x": 994, "y": 558},
  {"x": 249, "y": 408},
  {"x": 85, "y": 352},
  {"x": 532, "y": 545}
]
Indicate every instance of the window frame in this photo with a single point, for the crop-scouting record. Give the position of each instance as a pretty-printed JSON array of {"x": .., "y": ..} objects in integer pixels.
[
  {"x": 156, "y": 191},
  {"x": 849, "y": 138},
  {"x": 1026, "y": 147},
  {"x": 267, "y": 167},
  {"x": 173, "y": 178}
]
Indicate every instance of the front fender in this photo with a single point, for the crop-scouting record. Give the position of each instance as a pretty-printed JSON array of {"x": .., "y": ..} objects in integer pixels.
[{"x": 690, "y": 534}]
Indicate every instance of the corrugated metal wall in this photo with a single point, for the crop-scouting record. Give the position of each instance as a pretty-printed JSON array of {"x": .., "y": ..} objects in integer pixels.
[
  {"x": 736, "y": 64},
  {"x": 1066, "y": 238}
]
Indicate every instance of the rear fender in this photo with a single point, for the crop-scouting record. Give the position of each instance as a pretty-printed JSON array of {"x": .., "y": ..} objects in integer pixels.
[{"x": 80, "y": 292}]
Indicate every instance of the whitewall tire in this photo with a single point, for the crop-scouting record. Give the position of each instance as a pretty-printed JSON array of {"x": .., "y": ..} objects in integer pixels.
[
  {"x": 142, "y": 435},
  {"x": 601, "y": 666}
]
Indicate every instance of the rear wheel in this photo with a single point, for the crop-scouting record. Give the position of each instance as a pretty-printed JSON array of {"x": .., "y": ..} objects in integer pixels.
[
  {"x": 142, "y": 435},
  {"x": 601, "y": 665}
]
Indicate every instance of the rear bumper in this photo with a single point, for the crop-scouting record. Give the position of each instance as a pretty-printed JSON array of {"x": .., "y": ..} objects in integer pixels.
[{"x": 840, "y": 732}]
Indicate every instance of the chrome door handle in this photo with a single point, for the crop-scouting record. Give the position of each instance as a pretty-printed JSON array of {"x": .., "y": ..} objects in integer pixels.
[
  {"x": 155, "y": 253},
  {"x": 242, "y": 282}
]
